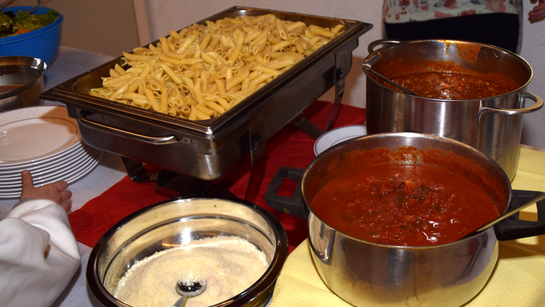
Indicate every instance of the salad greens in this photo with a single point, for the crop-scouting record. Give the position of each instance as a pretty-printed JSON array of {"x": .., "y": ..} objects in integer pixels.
[{"x": 13, "y": 24}]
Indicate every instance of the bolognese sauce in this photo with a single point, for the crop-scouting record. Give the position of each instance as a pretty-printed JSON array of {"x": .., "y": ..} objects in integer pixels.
[
  {"x": 451, "y": 85},
  {"x": 446, "y": 79},
  {"x": 404, "y": 205}
]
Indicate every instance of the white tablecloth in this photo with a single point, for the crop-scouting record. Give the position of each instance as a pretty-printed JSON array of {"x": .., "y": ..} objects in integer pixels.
[{"x": 69, "y": 63}]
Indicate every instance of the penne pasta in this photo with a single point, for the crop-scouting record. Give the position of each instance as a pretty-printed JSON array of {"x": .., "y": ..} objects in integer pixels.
[
  {"x": 151, "y": 98},
  {"x": 204, "y": 109},
  {"x": 193, "y": 114},
  {"x": 203, "y": 70},
  {"x": 183, "y": 110},
  {"x": 321, "y": 31},
  {"x": 237, "y": 79},
  {"x": 214, "y": 106},
  {"x": 236, "y": 51}
]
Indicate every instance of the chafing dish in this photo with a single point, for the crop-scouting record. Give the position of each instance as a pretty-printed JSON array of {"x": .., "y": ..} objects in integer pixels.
[{"x": 209, "y": 149}]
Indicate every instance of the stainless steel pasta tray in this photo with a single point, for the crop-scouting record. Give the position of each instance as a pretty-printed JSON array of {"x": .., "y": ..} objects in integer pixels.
[{"x": 208, "y": 149}]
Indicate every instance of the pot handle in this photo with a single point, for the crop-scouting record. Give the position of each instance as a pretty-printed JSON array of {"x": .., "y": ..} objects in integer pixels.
[
  {"x": 127, "y": 134},
  {"x": 536, "y": 106},
  {"x": 292, "y": 205},
  {"x": 373, "y": 44},
  {"x": 513, "y": 228}
]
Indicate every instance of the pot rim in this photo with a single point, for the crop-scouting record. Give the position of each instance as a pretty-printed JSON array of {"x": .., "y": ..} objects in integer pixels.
[
  {"x": 33, "y": 63},
  {"x": 332, "y": 149},
  {"x": 399, "y": 44}
]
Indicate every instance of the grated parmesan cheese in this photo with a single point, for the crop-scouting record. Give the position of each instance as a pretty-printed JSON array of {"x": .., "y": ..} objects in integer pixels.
[{"x": 228, "y": 264}]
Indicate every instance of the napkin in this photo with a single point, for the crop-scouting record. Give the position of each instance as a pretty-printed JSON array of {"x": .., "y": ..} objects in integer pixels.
[
  {"x": 517, "y": 279},
  {"x": 289, "y": 147}
]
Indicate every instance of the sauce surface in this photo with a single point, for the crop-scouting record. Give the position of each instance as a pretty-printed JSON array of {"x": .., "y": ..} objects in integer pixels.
[
  {"x": 404, "y": 205},
  {"x": 448, "y": 85}
]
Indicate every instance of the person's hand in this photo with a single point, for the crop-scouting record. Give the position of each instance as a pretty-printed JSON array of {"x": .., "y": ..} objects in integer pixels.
[
  {"x": 55, "y": 191},
  {"x": 538, "y": 12}
]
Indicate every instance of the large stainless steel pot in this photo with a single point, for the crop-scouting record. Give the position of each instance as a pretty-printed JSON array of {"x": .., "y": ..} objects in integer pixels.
[
  {"x": 493, "y": 125},
  {"x": 370, "y": 274}
]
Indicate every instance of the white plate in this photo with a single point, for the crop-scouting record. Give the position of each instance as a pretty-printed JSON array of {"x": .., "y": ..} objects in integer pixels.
[
  {"x": 86, "y": 171},
  {"x": 338, "y": 135},
  {"x": 61, "y": 168},
  {"x": 78, "y": 160},
  {"x": 41, "y": 175},
  {"x": 10, "y": 195},
  {"x": 82, "y": 170},
  {"x": 47, "y": 166},
  {"x": 69, "y": 180},
  {"x": 34, "y": 133},
  {"x": 73, "y": 177},
  {"x": 65, "y": 154},
  {"x": 68, "y": 176}
]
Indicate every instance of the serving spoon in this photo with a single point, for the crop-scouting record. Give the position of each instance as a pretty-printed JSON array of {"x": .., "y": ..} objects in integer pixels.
[
  {"x": 41, "y": 3},
  {"x": 188, "y": 290},
  {"x": 6, "y": 4},
  {"x": 532, "y": 201},
  {"x": 368, "y": 69}
]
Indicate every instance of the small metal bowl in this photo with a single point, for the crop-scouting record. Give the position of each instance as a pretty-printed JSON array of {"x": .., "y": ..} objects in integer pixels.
[
  {"x": 176, "y": 222},
  {"x": 21, "y": 81}
]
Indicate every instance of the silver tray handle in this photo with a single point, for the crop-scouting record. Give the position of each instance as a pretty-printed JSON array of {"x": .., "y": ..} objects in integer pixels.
[
  {"x": 536, "y": 106},
  {"x": 127, "y": 134}
]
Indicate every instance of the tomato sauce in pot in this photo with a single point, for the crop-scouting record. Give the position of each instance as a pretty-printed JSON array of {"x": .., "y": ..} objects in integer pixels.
[
  {"x": 403, "y": 204},
  {"x": 444, "y": 80},
  {"x": 448, "y": 85}
]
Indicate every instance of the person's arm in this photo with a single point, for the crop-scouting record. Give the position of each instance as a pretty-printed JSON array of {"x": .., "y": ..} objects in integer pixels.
[{"x": 38, "y": 252}]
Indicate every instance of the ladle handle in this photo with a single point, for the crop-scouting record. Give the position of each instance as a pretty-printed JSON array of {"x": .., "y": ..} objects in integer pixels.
[
  {"x": 512, "y": 227},
  {"x": 367, "y": 68},
  {"x": 6, "y": 4}
]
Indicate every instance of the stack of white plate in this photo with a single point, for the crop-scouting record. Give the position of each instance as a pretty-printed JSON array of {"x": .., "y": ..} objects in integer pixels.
[{"x": 45, "y": 141}]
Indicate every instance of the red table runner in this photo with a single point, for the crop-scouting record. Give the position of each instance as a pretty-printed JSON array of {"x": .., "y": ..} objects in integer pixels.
[{"x": 289, "y": 147}]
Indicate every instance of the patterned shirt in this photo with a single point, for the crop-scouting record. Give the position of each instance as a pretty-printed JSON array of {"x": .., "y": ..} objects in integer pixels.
[{"x": 402, "y": 11}]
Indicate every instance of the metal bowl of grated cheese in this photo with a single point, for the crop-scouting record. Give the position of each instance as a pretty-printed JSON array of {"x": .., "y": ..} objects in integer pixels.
[{"x": 237, "y": 246}]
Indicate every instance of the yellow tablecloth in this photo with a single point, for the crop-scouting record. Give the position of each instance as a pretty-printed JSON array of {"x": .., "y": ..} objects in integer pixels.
[{"x": 518, "y": 279}]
